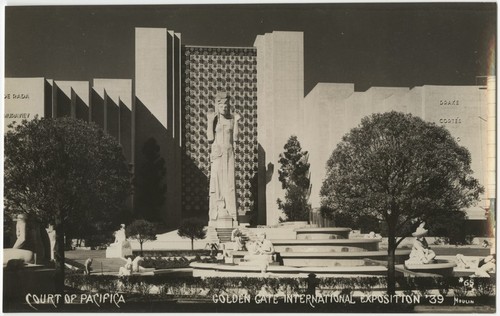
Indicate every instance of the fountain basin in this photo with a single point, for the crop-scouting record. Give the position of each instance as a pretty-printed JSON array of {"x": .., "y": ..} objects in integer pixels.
[
  {"x": 228, "y": 270},
  {"x": 326, "y": 245},
  {"x": 334, "y": 259},
  {"x": 323, "y": 233},
  {"x": 443, "y": 268},
  {"x": 330, "y": 259}
]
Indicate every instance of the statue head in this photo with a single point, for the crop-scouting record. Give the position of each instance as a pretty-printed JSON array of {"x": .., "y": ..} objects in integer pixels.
[
  {"x": 221, "y": 103},
  {"x": 262, "y": 236},
  {"x": 20, "y": 218},
  {"x": 122, "y": 225}
]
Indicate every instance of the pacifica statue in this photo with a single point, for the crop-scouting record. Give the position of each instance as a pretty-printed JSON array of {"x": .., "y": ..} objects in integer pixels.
[{"x": 222, "y": 132}]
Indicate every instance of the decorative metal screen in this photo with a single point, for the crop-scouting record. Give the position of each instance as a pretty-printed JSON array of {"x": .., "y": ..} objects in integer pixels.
[{"x": 207, "y": 70}]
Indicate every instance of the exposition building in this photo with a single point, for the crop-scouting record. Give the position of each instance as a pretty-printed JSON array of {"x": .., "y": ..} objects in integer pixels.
[{"x": 175, "y": 85}]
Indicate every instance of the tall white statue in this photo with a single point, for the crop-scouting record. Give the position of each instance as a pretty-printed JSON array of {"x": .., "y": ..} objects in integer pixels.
[
  {"x": 52, "y": 238},
  {"x": 121, "y": 247},
  {"x": 120, "y": 235},
  {"x": 222, "y": 133}
]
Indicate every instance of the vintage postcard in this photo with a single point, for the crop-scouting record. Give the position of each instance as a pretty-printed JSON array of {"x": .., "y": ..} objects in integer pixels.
[{"x": 328, "y": 157}]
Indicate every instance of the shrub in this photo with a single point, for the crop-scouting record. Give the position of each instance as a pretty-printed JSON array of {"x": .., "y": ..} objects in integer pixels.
[{"x": 192, "y": 228}]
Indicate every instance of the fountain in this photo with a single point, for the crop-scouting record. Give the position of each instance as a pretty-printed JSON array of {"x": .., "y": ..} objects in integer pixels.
[
  {"x": 326, "y": 252},
  {"x": 323, "y": 251}
]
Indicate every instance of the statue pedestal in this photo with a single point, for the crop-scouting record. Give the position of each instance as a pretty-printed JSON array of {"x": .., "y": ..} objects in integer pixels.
[
  {"x": 21, "y": 254},
  {"x": 119, "y": 250},
  {"x": 220, "y": 222},
  {"x": 223, "y": 222}
]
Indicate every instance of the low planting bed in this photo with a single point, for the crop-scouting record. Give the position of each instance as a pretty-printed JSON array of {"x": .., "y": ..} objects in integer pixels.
[
  {"x": 168, "y": 287},
  {"x": 172, "y": 253}
]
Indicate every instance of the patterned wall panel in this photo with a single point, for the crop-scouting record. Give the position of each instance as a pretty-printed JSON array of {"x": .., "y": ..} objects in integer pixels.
[{"x": 207, "y": 70}]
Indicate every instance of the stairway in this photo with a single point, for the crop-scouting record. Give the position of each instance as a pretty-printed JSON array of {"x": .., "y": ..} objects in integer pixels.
[{"x": 224, "y": 234}]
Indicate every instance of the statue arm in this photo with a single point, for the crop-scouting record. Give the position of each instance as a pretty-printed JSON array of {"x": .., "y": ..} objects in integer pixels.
[
  {"x": 210, "y": 126},
  {"x": 266, "y": 248},
  {"x": 270, "y": 248},
  {"x": 236, "y": 129}
]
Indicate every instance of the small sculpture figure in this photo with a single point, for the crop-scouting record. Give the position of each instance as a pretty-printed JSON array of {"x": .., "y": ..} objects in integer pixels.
[
  {"x": 485, "y": 266},
  {"x": 371, "y": 235},
  {"x": 136, "y": 265},
  {"x": 237, "y": 238},
  {"x": 260, "y": 253},
  {"x": 121, "y": 247},
  {"x": 120, "y": 235},
  {"x": 481, "y": 267},
  {"x": 88, "y": 266},
  {"x": 266, "y": 247},
  {"x": 421, "y": 253},
  {"x": 21, "y": 232},
  {"x": 127, "y": 268},
  {"x": 222, "y": 132},
  {"x": 465, "y": 262}
]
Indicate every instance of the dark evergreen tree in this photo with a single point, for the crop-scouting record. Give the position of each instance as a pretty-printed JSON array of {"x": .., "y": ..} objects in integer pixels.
[
  {"x": 150, "y": 186},
  {"x": 294, "y": 176}
]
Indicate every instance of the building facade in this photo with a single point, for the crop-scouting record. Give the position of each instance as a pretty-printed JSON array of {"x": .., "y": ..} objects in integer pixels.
[{"x": 174, "y": 86}]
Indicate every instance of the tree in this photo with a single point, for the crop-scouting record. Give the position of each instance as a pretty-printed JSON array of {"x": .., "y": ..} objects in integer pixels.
[
  {"x": 403, "y": 171},
  {"x": 294, "y": 176},
  {"x": 192, "y": 228},
  {"x": 64, "y": 171},
  {"x": 142, "y": 231},
  {"x": 150, "y": 181},
  {"x": 451, "y": 224},
  {"x": 365, "y": 224}
]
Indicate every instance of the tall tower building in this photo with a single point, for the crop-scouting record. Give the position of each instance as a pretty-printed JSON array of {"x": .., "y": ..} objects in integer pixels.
[{"x": 280, "y": 90}]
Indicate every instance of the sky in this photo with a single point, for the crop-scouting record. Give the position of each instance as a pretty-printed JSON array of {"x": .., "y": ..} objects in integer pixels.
[{"x": 400, "y": 45}]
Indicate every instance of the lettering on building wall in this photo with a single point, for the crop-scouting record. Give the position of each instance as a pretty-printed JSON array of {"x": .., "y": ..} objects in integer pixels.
[
  {"x": 17, "y": 115},
  {"x": 14, "y": 96},
  {"x": 449, "y": 102},
  {"x": 455, "y": 120}
]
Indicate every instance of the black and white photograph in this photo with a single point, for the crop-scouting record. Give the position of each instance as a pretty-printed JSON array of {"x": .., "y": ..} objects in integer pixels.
[{"x": 250, "y": 157}]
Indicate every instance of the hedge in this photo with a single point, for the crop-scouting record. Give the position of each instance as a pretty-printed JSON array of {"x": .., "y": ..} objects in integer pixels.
[{"x": 198, "y": 287}]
